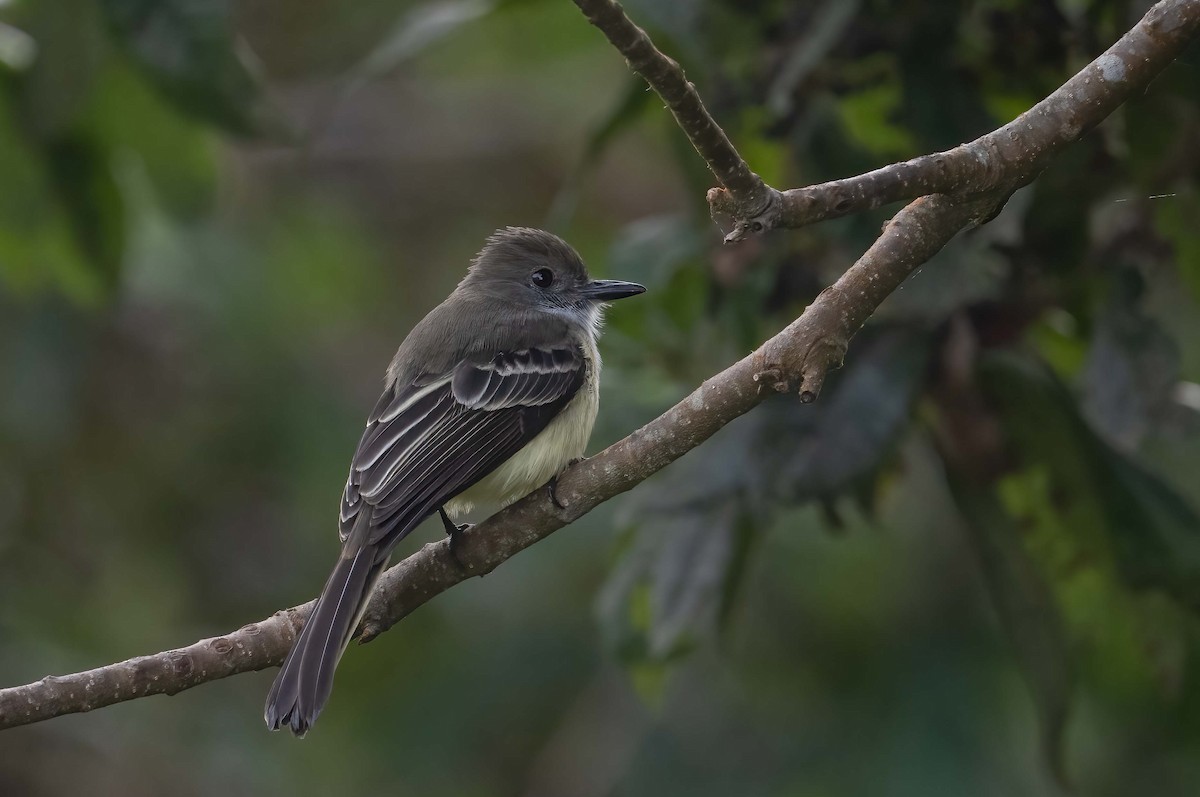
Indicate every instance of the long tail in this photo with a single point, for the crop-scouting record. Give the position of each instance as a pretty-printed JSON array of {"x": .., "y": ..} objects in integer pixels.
[{"x": 305, "y": 680}]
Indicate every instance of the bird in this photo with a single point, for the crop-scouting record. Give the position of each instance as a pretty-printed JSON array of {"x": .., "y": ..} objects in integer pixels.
[{"x": 489, "y": 397}]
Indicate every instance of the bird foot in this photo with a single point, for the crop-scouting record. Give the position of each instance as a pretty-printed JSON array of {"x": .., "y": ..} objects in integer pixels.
[
  {"x": 553, "y": 483},
  {"x": 454, "y": 532}
]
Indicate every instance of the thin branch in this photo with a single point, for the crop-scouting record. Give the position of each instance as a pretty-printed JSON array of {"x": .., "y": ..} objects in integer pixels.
[
  {"x": 795, "y": 360},
  {"x": 1011, "y": 155},
  {"x": 745, "y": 190}
]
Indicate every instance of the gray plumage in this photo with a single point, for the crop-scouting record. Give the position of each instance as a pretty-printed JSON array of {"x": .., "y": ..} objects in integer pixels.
[{"x": 488, "y": 397}]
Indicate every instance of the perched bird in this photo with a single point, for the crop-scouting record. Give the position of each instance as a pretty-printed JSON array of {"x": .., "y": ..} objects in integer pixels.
[{"x": 488, "y": 398}]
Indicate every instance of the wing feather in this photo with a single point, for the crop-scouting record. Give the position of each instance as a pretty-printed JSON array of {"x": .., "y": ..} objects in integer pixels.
[{"x": 428, "y": 441}]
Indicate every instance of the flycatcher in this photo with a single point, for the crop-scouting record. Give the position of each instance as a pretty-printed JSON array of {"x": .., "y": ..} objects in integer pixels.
[{"x": 489, "y": 397}]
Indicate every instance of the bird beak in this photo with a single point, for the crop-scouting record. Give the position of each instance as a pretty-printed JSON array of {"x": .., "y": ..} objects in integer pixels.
[{"x": 611, "y": 290}]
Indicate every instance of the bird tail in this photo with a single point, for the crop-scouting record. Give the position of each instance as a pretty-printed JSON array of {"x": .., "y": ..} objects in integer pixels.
[{"x": 305, "y": 680}]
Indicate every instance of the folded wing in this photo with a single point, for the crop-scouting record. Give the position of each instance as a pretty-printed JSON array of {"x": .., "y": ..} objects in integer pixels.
[{"x": 428, "y": 441}]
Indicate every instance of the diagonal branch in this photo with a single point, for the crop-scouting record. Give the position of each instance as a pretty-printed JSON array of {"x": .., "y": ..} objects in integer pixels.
[{"x": 795, "y": 360}]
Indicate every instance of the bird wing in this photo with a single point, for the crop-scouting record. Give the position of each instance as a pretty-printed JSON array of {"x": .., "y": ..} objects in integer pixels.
[{"x": 429, "y": 440}]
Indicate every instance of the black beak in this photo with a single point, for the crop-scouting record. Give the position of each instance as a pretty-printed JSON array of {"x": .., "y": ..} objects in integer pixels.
[{"x": 611, "y": 290}]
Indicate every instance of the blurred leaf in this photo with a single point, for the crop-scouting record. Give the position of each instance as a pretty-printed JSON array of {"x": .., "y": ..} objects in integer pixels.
[
  {"x": 59, "y": 228},
  {"x": 768, "y": 157},
  {"x": 855, "y": 423},
  {"x": 664, "y": 253},
  {"x": 690, "y": 574},
  {"x": 650, "y": 681},
  {"x": 829, "y": 24},
  {"x": 1130, "y": 643},
  {"x": 81, "y": 173},
  {"x": 1057, "y": 338},
  {"x": 677, "y": 581},
  {"x": 868, "y": 116},
  {"x": 1157, "y": 531},
  {"x": 655, "y": 248},
  {"x": 186, "y": 49},
  {"x": 1027, "y": 610},
  {"x": 421, "y": 27},
  {"x": 1005, "y": 106},
  {"x": 1176, "y": 220},
  {"x": 634, "y": 100},
  {"x": 1153, "y": 531},
  {"x": 66, "y": 208},
  {"x": 151, "y": 144},
  {"x": 54, "y": 92},
  {"x": 687, "y": 543},
  {"x": 678, "y": 19},
  {"x": 1057, "y": 230},
  {"x": 968, "y": 271},
  {"x": 1131, "y": 370},
  {"x": 962, "y": 275},
  {"x": 17, "y": 48}
]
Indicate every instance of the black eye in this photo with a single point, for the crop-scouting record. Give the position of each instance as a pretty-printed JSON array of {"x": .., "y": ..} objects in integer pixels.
[{"x": 543, "y": 278}]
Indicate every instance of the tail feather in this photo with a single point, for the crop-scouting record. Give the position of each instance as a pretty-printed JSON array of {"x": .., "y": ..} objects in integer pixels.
[{"x": 305, "y": 680}]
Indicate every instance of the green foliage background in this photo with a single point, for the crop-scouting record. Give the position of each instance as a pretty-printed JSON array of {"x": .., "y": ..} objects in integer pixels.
[{"x": 972, "y": 567}]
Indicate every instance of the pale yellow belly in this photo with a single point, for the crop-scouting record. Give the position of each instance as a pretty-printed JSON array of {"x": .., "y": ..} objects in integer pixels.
[{"x": 542, "y": 458}]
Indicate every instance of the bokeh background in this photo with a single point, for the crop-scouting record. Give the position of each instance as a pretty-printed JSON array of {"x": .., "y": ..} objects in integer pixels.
[{"x": 971, "y": 568}]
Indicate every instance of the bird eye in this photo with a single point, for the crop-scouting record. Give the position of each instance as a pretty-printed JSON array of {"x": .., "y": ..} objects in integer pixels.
[{"x": 543, "y": 278}]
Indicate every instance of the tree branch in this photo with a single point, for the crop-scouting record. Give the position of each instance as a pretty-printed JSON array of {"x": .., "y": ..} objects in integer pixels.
[
  {"x": 745, "y": 192},
  {"x": 795, "y": 360}
]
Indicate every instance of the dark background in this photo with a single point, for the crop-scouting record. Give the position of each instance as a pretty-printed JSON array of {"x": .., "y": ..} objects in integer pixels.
[{"x": 973, "y": 564}]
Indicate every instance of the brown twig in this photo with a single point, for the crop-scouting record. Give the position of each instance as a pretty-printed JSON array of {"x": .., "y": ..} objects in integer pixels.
[{"x": 754, "y": 203}]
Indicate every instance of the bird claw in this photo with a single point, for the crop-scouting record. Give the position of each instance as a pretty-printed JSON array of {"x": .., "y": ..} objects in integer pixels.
[
  {"x": 553, "y": 483},
  {"x": 454, "y": 532}
]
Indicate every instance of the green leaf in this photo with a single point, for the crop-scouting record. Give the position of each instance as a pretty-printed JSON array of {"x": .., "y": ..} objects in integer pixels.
[
  {"x": 655, "y": 248},
  {"x": 1131, "y": 370},
  {"x": 1152, "y": 531},
  {"x": 147, "y": 138},
  {"x": 54, "y": 92},
  {"x": 633, "y": 101},
  {"x": 664, "y": 253},
  {"x": 1156, "y": 530},
  {"x": 61, "y": 217},
  {"x": 420, "y": 28},
  {"x": 869, "y": 117},
  {"x": 186, "y": 50},
  {"x": 1176, "y": 220},
  {"x": 1027, "y": 610},
  {"x": 845, "y": 437},
  {"x": 830, "y": 22},
  {"x": 677, "y": 581},
  {"x": 968, "y": 271},
  {"x": 80, "y": 172},
  {"x": 687, "y": 545}
]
